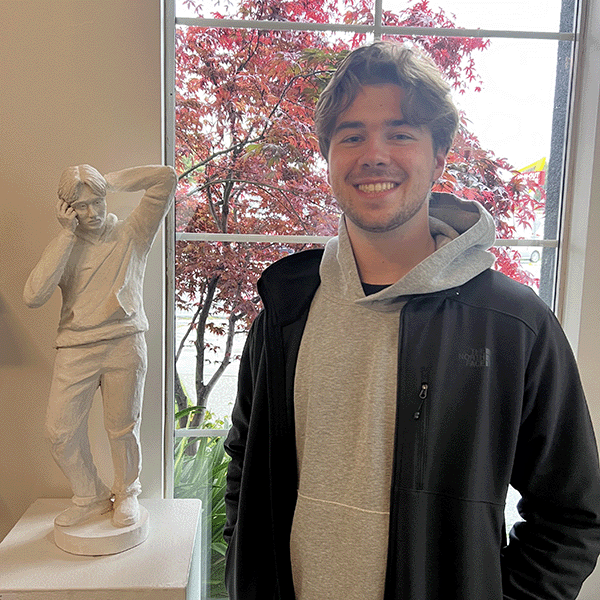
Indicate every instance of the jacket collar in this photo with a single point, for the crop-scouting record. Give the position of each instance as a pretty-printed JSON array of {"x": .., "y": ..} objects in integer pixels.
[{"x": 288, "y": 285}]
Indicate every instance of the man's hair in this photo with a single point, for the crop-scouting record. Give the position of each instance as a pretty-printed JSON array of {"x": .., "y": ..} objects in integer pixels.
[
  {"x": 73, "y": 178},
  {"x": 427, "y": 103}
]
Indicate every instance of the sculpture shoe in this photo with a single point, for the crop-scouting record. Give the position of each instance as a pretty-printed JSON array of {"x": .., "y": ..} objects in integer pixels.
[
  {"x": 74, "y": 515},
  {"x": 126, "y": 511}
]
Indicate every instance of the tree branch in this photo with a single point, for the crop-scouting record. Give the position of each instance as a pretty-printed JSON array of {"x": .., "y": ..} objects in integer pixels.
[
  {"x": 187, "y": 333},
  {"x": 214, "y": 155},
  {"x": 199, "y": 343},
  {"x": 257, "y": 184}
]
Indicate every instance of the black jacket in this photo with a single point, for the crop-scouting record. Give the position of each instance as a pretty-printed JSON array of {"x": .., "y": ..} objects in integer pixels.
[{"x": 488, "y": 394}]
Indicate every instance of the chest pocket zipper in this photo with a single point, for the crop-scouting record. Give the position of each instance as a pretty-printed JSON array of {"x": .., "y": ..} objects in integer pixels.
[
  {"x": 423, "y": 396},
  {"x": 419, "y": 466}
]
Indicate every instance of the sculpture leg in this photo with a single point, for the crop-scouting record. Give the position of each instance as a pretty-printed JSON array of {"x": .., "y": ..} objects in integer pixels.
[
  {"x": 74, "y": 382},
  {"x": 122, "y": 385}
]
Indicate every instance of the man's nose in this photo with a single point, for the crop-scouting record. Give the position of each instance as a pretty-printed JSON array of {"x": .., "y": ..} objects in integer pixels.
[
  {"x": 375, "y": 153},
  {"x": 92, "y": 210}
]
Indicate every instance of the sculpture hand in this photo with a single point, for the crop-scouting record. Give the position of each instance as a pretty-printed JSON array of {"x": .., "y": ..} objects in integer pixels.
[{"x": 66, "y": 216}]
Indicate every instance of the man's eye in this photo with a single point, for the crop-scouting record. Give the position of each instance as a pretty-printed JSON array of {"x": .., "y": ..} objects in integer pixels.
[{"x": 351, "y": 139}]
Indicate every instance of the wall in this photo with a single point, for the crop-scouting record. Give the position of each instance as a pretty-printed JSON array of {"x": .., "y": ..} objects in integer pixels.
[
  {"x": 81, "y": 83},
  {"x": 589, "y": 336}
]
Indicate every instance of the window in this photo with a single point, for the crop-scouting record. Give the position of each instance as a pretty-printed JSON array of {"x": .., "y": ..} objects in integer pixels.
[{"x": 252, "y": 187}]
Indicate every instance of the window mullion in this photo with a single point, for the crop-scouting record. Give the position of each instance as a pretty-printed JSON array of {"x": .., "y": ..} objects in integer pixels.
[
  {"x": 321, "y": 239},
  {"x": 378, "y": 19},
  {"x": 384, "y": 29}
]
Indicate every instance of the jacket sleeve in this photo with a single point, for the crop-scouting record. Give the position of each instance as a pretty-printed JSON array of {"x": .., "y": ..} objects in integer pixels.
[
  {"x": 46, "y": 275},
  {"x": 555, "y": 547},
  {"x": 235, "y": 444}
]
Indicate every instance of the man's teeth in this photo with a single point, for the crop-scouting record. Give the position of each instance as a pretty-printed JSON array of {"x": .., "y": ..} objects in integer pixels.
[{"x": 376, "y": 187}]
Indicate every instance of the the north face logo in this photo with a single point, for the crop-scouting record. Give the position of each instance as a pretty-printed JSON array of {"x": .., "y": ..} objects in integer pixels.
[{"x": 476, "y": 357}]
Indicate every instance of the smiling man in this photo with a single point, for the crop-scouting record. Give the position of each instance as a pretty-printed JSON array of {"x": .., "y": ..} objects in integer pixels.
[
  {"x": 381, "y": 169},
  {"x": 395, "y": 385},
  {"x": 98, "y": 263}
]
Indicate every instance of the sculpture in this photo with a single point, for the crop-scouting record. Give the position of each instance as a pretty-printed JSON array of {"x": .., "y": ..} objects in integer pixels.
[{"x": 98, "y": 262}]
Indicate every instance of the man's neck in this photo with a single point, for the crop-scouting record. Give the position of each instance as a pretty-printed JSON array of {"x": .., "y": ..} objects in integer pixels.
[{"x": 384, "y": 258}]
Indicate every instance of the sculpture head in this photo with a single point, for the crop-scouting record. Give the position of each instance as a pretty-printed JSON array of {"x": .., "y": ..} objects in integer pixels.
[{"x": 84, "y": 189}]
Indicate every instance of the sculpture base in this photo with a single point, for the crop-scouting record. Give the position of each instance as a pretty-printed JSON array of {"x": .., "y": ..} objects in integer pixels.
[{"x": 99, "y": 537}]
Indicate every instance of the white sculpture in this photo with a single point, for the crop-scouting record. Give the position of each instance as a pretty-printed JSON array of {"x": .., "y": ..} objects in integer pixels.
[{"x": 98, "y": 262}]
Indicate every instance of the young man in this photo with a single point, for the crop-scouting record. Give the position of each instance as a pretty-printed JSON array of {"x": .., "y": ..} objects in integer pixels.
[
  {"x": 98, "y": 262},
  {"x": 394, "y": 385}
]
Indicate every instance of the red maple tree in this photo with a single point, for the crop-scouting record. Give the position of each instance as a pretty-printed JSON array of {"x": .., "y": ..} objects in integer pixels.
[{"x": 249, "y": 162}]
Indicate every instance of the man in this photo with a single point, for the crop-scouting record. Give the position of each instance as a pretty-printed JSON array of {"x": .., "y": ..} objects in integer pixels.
[
  {"x": 394, "y": 385},
  {"x": 98, "y": 262}
]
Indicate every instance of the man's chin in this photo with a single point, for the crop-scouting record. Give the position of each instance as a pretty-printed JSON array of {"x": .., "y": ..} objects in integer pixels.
[
  {"x": 384, "y": 223},
  {"x": 376, "y": 227}
]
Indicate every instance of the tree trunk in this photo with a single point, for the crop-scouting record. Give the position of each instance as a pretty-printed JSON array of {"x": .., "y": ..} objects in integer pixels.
[
  {"x": 181, "y": 400},
  {"x": 203, "y": 390}
]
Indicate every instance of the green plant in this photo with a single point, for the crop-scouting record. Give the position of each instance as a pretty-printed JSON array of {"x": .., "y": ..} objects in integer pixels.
[{"x": 203, "y": 476}]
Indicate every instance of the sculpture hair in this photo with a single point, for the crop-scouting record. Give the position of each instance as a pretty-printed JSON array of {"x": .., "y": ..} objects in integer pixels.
[
  {"x": 427, "y": 103},
  {"x": 73, "y": 178}
]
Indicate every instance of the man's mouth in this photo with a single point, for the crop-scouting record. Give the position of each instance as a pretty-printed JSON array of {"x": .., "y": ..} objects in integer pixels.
[{"x": 376, "y": 187}]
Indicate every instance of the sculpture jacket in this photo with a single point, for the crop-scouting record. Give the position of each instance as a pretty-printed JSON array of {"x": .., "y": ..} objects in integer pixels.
[
  {"x": 101, "y": 279},
  {"x": 503, "y": 404}
]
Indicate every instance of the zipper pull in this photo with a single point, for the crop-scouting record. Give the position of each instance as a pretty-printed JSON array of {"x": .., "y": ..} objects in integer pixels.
[{"x": 422, "y": 395}]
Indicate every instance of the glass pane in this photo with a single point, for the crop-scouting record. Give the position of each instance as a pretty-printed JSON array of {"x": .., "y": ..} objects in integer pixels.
[
  {"x": 200, "y": 470},
  {"x": 216, "y": 301},
  {"x": 520, "y": 115},
  {"x": 244, "y": 145},
  {"x": 503, "y": 15},
  {"x": 251, "y": 164},
  {"x": 511, "y": 111},
  {"x": 326, "y": 11}
]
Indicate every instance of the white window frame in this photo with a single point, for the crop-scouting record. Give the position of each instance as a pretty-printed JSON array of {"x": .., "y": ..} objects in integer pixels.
[
  {"x": 582, "y": 166},
  {"x": 581, "y": 181}
]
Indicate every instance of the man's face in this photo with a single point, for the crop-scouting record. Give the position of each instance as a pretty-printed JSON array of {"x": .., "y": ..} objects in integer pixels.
[
  {"x": 381, "y": 168},
  {"x": 90, "y": 209}
]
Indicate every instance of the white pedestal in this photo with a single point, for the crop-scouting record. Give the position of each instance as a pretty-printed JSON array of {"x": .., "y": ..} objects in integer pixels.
[
  {"x": 164, "y": 567},
  {"x": 98, "y": 536}
]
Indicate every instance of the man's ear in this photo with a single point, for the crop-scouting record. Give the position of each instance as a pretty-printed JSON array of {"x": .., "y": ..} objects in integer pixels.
[{"x": 439, "y": 164}]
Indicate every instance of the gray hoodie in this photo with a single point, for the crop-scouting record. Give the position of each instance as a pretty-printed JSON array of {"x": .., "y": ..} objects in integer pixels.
[{"x": 345, "y": 403}]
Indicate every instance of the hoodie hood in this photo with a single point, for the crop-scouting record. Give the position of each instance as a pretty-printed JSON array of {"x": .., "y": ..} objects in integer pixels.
[{"x": 463, "y": 232}]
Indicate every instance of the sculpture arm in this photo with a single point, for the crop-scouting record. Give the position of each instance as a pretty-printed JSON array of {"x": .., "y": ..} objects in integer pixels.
[
  {"x": 47, "y": 273},
  {"x": 159, "y": 183}
]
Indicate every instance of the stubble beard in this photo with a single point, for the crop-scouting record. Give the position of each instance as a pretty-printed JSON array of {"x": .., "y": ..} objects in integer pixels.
[{"x": 402, "y": 216}]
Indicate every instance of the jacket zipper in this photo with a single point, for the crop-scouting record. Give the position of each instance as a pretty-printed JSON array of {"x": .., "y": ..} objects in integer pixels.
[
  {"x": 423, "y": 396},
  {"x": 420, "y": 434}
]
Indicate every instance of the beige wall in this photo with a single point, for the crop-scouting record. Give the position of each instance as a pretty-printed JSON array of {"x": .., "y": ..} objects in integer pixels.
[
  {"x": 81, "y": 82},
  {"x": 589, "y": 336}
]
